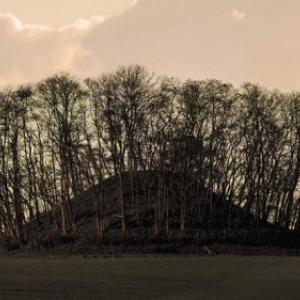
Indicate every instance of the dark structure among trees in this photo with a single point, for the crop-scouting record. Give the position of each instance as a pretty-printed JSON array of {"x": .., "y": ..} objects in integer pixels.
[{"x": 147, "y": 152}]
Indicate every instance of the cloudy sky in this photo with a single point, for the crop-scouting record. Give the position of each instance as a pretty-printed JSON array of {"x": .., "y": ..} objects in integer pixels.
[{"x": 231, "y": 40}]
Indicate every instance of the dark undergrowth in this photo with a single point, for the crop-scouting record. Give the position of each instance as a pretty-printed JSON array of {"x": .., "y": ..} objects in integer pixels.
[{"x": 189, "y": 242}]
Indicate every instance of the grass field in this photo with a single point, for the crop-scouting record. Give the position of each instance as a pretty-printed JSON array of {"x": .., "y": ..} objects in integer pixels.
[{"x": 140, "y": 278}]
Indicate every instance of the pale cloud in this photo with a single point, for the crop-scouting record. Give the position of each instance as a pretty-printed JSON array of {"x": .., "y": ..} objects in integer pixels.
[
  {"x": 134, "y": 2},
  {"x": 83, "y": 24},
  {"x": 59, "y": 13},
  {"x": 237, "y": 14},
  {"x": 30, "y": 52},
  {"x": 17, "y": 25},
  {"x": 147, "y": 33},
  {"x": 182, "y": 38}
]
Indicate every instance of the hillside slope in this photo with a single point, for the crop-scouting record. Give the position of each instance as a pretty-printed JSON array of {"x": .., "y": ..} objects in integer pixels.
[{"x": 228, "y": 225}]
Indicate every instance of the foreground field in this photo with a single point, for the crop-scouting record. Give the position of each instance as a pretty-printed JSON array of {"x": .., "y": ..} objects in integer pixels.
[{"x": 150, "y": 278}]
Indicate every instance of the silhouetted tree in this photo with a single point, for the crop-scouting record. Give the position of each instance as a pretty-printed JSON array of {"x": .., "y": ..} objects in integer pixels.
[{"x": 62, "y": 97}]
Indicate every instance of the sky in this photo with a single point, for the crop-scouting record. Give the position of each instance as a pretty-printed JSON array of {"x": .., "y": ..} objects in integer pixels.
[{"x": 234, "y": 41}]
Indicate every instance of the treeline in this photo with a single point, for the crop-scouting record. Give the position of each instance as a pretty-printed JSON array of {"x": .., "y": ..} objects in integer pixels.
[{"x": 63, "y": 136}]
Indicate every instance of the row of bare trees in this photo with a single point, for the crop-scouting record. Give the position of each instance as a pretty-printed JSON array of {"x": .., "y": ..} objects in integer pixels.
[{"x": 201, "y": 139}]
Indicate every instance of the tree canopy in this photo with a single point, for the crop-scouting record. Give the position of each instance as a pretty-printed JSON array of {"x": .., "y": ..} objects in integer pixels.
[{"x": 178, "y": 148}]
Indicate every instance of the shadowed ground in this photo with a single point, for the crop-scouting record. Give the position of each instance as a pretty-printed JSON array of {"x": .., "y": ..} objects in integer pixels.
[{"x": 141, "y": 278}]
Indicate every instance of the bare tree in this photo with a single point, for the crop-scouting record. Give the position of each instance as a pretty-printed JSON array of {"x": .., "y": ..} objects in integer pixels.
[{"x": 62, "y": 97}]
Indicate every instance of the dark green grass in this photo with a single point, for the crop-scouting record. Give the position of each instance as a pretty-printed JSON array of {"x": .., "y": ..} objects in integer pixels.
[{"x": 150, "y": 278}]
